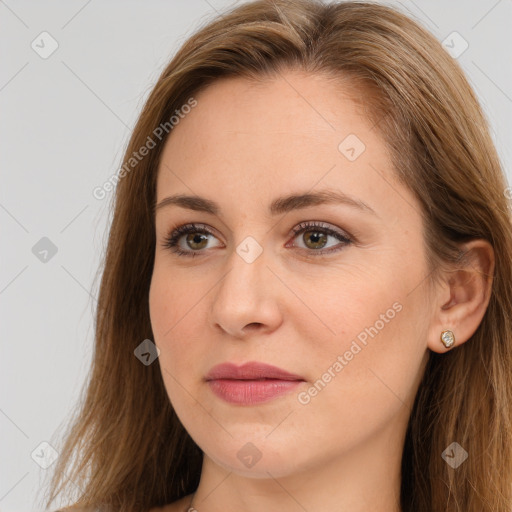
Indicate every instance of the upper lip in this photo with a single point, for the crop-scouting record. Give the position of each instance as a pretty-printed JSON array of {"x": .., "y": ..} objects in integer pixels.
[{"x": 250, "y": 371}]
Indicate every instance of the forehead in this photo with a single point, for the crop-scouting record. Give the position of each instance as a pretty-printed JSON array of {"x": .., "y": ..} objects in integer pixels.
[
  {"x": 295, "y": 132},
  {"x": 293, "y": 109},
  {"x": 291, "y": 119}
]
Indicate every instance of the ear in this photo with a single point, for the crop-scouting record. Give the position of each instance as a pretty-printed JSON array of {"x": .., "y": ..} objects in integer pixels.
[{"x": 463, "y": 295}]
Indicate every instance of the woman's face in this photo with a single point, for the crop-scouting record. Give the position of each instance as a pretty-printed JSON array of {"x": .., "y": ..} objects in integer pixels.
[{"x": 348, "y": 319}]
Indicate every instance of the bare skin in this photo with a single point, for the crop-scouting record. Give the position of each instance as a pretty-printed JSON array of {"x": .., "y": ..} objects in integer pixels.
[
  {"x": 181, "y": 505},
  {"x": 340, "y": 448}
]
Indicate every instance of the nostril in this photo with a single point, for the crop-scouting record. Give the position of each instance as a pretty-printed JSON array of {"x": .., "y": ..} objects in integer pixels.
[{"x": 253, "y": 325}]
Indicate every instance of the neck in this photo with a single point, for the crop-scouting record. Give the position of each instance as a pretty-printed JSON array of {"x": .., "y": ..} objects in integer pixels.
[{"x": 367, "y": 478}]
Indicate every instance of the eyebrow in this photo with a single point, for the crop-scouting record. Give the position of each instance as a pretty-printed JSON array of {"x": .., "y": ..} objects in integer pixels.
[{"x": 279, "y": 206}]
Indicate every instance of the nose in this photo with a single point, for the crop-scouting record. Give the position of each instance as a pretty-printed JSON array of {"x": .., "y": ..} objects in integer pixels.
[{"x": 247, "y": 298}]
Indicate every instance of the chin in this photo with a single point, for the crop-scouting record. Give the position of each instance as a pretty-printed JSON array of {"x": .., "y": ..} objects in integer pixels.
[{"x": 254, "y": 456}]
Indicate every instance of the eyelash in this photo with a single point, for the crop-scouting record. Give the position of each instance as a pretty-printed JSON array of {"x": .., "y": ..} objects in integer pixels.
[{"x": 171, "y": 241}]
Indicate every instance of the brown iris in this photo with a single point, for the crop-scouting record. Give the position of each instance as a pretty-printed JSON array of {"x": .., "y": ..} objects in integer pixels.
[{"x": 318, "y": 238}]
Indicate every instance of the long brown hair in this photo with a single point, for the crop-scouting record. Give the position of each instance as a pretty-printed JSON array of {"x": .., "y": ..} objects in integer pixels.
[{"x": 126, "y": 449}]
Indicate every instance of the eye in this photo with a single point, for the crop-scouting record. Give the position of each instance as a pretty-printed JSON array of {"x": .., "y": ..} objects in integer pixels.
[
  {"x": 196, "y": 238},
  {"x": 315, "y": 237}
]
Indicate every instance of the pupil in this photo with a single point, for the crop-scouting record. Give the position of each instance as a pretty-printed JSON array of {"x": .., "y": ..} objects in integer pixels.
[
  {"x": 318, "y": 238},
  {"x": 193, "y": 238}
]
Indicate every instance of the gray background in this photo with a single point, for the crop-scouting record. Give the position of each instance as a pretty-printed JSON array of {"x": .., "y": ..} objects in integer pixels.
[{"x": 65, "y": 122}]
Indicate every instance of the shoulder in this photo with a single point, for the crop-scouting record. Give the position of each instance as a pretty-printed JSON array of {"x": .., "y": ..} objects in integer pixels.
[
  {"x": 180, "y": 505},
  {"x": 76, "y": 508}
]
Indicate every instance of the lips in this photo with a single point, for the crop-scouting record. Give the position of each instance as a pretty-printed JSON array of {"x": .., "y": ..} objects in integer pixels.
[
  {"x": 250, "y": 371},
  {"x": 250, "y": 383}
]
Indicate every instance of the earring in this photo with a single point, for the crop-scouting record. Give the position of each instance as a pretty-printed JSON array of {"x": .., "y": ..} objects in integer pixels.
[{"x": 448, "y": 338}]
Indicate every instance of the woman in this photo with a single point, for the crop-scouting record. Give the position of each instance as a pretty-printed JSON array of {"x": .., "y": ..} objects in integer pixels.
[{"x": 306, "y": 301}]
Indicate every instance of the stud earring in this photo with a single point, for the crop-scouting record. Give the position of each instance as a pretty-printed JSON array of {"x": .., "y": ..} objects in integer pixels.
[{"x": 448, "y": 338}]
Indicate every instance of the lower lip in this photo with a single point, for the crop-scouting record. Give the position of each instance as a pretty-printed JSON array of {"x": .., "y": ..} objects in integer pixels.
[{"x": 249, "y": 392}]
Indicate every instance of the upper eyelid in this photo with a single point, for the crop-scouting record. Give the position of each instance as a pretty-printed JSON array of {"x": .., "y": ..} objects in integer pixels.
[
  {"x": 295, "y": 230},
  {"x": 343, "y": 237}
]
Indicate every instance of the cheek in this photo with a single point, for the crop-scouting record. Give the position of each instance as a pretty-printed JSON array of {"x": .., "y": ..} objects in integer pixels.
[
  {"x": 368, "y": 388},
  {"x": 160, "y": 312},
  {"x": 339, "y": 309},
  {"x": 364, "y": 341},
  {"x": 169, "y": 304},
  {"x": 168, "y": 314},
  {"x": 174, "y": 311}
]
